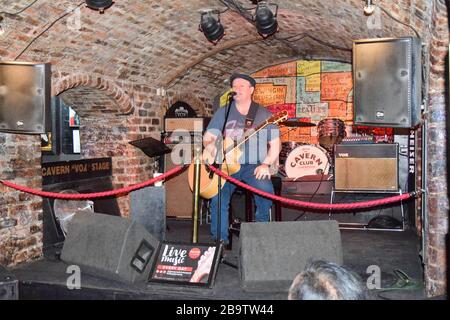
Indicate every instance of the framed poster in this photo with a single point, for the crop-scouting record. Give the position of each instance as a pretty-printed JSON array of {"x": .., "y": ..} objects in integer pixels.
[
  {"x": 74, "y": 119},
  {"x": 186, "y": 263},
  {"x": 47, "y": 143}
]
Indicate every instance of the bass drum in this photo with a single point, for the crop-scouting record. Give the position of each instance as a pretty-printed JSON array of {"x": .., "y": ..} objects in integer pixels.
[
  {"x": 286, "y": 149},
  {"x": 307, "y": 160}
]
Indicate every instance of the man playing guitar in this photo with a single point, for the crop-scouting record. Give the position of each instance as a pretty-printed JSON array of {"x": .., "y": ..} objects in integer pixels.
[{"x": 259, "y": 152}]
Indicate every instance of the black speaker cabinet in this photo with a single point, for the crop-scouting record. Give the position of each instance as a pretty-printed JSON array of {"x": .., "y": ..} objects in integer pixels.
[
  {"x": 109, "y": 247},
  {"x": 366, "y": 167},
  {"x": 272, "y": 254},
  {"x": 9, "y": 285},
  {"x": 179, "y": 197},
  {"x": 387, "y": 82},
  {"x": 25, "y": 97}
]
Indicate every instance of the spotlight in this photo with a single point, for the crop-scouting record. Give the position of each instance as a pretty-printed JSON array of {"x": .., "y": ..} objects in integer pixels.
[
  {"x": 2, "y": 30},
  {"x": 368, "y": 8},
  {"x": 265, "y": 20},
  {"x": 211, "y": 28},
  {"x": 100, "y": 5}
]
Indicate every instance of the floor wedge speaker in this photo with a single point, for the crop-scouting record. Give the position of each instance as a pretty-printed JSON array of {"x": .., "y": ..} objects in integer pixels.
[
  {"x": 9, "y": 285},
  {"x": 366, "y": 167},
  {"x": 110, "y": 247},
  {"x": 272, "y": 254}
]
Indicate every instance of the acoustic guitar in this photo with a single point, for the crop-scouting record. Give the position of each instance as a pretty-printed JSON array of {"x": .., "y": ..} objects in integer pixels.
[{"x": 209, "y": 185}]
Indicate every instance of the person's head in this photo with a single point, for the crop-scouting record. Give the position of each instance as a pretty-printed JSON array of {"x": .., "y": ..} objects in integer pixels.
[
  {"x": 323, "y": 280},
  {"x": 243, "y": 85}
]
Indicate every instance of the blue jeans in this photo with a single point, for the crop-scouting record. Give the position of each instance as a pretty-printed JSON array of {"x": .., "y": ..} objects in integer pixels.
[{"x": 262, "y": 204}]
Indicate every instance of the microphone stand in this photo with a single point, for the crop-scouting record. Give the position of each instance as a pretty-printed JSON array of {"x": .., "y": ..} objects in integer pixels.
[{"x": 219, "y": 180}]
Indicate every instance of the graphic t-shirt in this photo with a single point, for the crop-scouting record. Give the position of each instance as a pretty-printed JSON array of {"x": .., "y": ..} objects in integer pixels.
[{"x": 255, "y": 149}]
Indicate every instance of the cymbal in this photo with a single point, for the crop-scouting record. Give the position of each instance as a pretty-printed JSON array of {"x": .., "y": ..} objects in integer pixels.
[{"x": 297, "y": 124}]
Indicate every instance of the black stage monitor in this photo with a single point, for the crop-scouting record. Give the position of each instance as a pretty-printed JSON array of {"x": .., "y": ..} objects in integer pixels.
[{"x": 25, "y": 97}]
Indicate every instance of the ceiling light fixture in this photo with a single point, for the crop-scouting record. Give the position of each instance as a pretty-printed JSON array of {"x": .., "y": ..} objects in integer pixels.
[
  {"x": 2, "y": 29},
  {"x": 265, "y": 21},
  {"x": 100, "y": 5},
  {"x": 368, "y": 8},
  {"x": 210, "y": 26}
]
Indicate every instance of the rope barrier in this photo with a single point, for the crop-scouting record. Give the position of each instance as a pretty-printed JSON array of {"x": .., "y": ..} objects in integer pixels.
[
  {"x": 312, "y": 205},
  {"x": 297, "y": 203},
  {"x": 84, "y": 196}
]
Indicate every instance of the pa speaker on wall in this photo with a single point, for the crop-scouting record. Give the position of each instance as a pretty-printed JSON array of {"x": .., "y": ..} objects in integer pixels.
[
  {"x": 387, "y": 82},
  {"x": 272, "y": 254},
  {"x": 25, "y": 97},
  {"x": 109, "y": 247}
]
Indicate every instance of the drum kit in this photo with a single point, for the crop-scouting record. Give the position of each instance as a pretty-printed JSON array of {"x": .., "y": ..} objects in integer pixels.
[
  {"x": 298, "y": 159},
  {"x": 331, "y": 132}
]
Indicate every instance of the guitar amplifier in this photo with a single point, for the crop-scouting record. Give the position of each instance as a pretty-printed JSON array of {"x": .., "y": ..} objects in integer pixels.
[
  {"x": 366, "y": 167},
  {"x": 186, "y": 124}
]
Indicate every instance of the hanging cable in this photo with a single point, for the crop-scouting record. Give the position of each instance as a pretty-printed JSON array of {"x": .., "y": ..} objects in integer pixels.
[
  {"x": 403, "y": 23},
  {"x": 304, "y": 35},
  {"x": 46, "y": 29},
  {"x": 236, "y": 7},
  {"x": 20, "y": 11}
]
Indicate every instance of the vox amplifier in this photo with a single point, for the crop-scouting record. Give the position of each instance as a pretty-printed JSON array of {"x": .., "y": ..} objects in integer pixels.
[
  {"x": 366, "y": 167},
  {"x": 186, "y": 124}
]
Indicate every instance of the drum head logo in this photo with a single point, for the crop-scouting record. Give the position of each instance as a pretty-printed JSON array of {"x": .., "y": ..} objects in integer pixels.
[{"x": 307, "y": 160}]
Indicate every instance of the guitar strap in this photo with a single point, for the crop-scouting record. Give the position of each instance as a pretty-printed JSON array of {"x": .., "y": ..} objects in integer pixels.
[{"x": 250, "y": 118}]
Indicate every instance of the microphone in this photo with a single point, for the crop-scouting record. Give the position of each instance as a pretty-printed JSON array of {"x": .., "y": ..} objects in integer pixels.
[{"x": 231, "y": 94}]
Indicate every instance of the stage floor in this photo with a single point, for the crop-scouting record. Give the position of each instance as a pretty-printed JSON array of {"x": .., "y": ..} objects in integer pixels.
[{"x": 46, "y": 278}]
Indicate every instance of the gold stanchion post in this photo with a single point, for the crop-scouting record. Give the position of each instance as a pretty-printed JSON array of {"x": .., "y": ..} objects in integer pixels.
[{"x": 196, "y": 201}]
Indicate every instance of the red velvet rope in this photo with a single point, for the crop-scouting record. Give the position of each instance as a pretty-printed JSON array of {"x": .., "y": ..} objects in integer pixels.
[
  {"x": 312, "y": 205},
  {"x": 83, "y": 196}
]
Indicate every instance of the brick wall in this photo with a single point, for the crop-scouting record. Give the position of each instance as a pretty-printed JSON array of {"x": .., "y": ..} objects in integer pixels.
[
  {"x": 437, "y": 187},
  {"x": 20, "y": 162},
  {"x": 107, "y": 127}
]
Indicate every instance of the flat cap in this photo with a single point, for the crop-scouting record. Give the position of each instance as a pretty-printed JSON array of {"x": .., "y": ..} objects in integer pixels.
[{"x": 242, "y": 76}]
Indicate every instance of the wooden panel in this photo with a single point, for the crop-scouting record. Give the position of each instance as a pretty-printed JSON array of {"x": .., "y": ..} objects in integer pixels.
[{"x": 179, "y": 196}]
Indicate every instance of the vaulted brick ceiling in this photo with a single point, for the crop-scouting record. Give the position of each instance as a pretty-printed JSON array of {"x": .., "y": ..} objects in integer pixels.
[{"x": 157, "y": 43}]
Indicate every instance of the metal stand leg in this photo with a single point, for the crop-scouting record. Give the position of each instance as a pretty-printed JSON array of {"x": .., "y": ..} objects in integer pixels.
[
  {"x": 331, "y": 202},
  {"x": 403, "y": 213},
  {"x": 200, "y": 214}
]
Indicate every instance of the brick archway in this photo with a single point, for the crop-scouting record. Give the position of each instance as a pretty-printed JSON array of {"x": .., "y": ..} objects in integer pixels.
[
  {"x": 111, "y": 89},
  {"x": 196, "y": 104}
]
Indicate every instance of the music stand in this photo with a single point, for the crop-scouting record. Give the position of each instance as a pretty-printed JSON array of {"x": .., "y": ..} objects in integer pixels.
[{"x": 151, "y": 147}]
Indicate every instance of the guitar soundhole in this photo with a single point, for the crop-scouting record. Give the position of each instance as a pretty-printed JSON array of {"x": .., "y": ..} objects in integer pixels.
[{"x": 211, "y": 173}]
